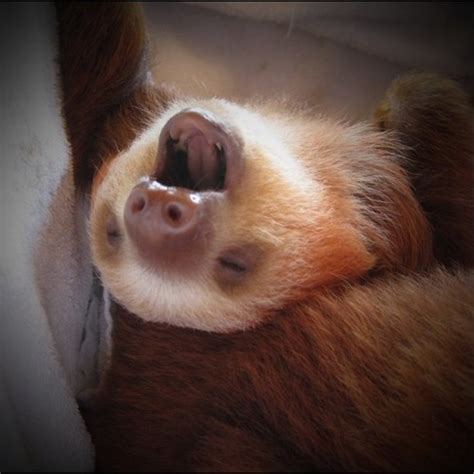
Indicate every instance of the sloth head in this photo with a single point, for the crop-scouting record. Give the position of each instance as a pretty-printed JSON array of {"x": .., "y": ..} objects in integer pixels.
[{"x": 218, "y": 215}]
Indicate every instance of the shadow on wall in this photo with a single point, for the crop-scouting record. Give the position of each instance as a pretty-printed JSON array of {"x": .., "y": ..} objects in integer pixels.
[{"x": 339, "y": 57}]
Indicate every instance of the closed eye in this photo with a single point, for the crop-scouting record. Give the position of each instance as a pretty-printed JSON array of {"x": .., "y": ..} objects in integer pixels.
[
  {"x": 235, "y": 263},
  {"x": 233, "y": 266}
]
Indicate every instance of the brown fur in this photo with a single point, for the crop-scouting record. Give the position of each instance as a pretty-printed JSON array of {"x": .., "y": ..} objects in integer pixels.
[
  {"x": 368, "y": 364},
  {"x": 103, "y": 93},
  {"x": 350, "y": 381},
  {"x": 432, "y": 117}
]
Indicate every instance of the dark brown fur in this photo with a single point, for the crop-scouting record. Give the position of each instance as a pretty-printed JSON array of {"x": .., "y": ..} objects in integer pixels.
[
  {"x": 432, "y": 117},
  {"x": 107, "y": 98}
]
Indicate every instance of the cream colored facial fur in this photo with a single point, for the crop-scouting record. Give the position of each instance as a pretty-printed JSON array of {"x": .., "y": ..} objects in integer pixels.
[{"x": 296, "y": 206}]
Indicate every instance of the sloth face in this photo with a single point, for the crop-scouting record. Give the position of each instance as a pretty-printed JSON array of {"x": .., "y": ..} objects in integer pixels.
[{"x": 218, "y": 215}]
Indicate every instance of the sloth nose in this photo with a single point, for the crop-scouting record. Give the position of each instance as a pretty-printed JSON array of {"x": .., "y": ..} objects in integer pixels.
[
  {"x": 165, "y": 223},
  {"x": 160, "y": 210}
]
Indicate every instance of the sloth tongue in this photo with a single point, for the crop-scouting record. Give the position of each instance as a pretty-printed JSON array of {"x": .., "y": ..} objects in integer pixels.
[{"x": 203, "y": 161}]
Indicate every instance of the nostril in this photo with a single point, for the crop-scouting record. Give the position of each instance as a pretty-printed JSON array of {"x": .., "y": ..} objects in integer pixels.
[
  {"x": 178, "y": 215},
  {"x": 174, "y": 212}
]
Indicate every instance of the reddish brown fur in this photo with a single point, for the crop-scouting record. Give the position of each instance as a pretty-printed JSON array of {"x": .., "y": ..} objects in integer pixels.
[
  {"x": 375, "y": 374},
  {"x": 347, "y": 382},
  {"x": 106, "y": 98}
]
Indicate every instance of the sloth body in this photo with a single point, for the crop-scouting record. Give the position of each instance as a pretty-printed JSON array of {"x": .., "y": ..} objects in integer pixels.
[
  {"x": 361, "y": 380},
  {"x": 289, "y": 293}
]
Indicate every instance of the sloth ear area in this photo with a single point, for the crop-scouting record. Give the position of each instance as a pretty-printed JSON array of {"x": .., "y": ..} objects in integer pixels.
[{"x": 103, "y": 65}]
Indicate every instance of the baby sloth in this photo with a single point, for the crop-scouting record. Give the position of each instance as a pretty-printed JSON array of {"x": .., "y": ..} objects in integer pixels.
[{"x": 289, "y": 293}]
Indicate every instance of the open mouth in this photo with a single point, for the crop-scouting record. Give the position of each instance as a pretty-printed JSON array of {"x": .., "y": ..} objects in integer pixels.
[
  {"x": 198, "y": 153},
  {"x": 193, "y": 164}
]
